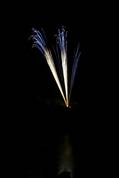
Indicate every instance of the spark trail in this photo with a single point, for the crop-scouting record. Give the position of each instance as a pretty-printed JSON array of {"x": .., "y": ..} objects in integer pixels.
[
  {"x": 63, "y": 48},
  {"x": 74, "y": 69},
  {"x": 40, "y": 43}
]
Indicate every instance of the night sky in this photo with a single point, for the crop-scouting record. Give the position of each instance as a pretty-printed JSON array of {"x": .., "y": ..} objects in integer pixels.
[{"x": 38, "y": 113}]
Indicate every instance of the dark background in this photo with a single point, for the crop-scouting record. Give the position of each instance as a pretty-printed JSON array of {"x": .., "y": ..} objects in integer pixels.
[{"x": 39, "y": 120}]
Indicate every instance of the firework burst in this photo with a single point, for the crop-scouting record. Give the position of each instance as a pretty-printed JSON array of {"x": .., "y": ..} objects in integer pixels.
[{"x": 40, "y": 43}]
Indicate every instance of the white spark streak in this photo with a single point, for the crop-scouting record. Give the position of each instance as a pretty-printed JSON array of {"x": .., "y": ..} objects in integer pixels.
[
  {"x": 63, "y": 47},
  {"x": 51, "y": 65},
  {"x": 40, "y": 43},
  {"x": 65, "y": 74}
]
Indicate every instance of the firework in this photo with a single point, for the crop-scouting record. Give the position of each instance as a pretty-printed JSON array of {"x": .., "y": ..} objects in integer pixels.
[{"x": 40, "y": 43}]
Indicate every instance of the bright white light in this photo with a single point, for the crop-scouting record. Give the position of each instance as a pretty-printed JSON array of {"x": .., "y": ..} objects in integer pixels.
[{"x": 40, "y": 43}]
